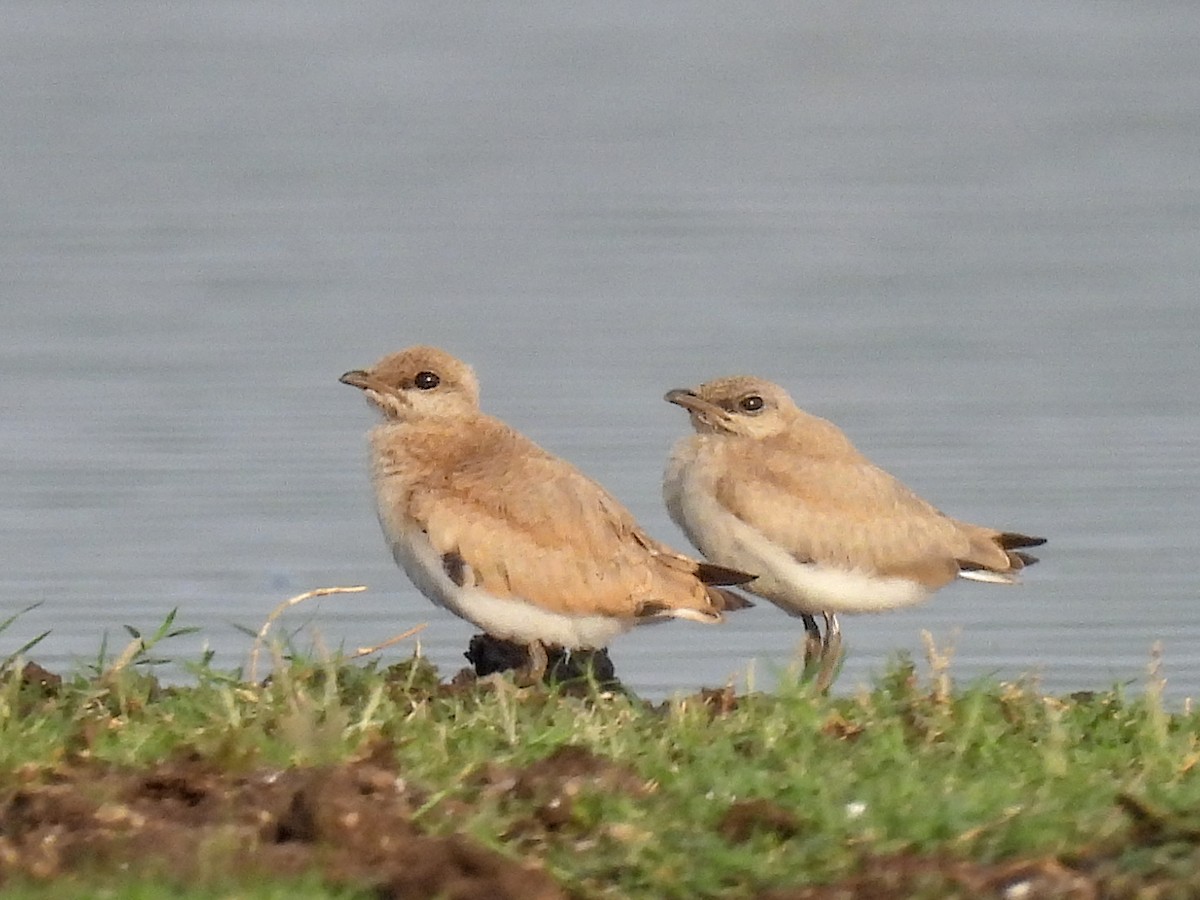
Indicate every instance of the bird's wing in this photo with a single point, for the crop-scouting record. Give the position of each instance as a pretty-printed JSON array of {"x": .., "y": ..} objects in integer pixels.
[
  {"x": 835, "y": 511},
  {"x": 538, "y": 529}
]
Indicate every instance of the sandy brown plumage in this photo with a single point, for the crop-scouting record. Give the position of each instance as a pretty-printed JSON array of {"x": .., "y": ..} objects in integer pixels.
[
  {"x": 769, "y": 488},
  {"x": 501, "y": 532},
  {"x": 844, "y": 511}
]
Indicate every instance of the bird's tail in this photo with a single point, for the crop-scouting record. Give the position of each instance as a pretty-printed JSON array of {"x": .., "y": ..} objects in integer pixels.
[{"x": 1011, "y": 543}]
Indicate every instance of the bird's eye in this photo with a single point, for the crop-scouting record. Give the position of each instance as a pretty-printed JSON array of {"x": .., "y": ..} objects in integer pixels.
[
  {"x": 427, "y": 381},
  {"x": 751, "y": 403}
]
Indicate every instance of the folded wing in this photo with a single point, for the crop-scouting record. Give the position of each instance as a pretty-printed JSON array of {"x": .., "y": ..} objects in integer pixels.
[
  {"x": 589, "y": 557},
  {"x": 838, "y": 512}
]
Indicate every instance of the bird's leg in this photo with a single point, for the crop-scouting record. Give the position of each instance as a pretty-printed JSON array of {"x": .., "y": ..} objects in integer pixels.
[
  {"x": 812, "y": 643},
  {"x": 833, "y": 634},
  {"x": 831, "y": 652}
]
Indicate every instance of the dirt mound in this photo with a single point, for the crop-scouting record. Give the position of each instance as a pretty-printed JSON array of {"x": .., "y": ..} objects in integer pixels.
[{"x": 188, "y": 820}]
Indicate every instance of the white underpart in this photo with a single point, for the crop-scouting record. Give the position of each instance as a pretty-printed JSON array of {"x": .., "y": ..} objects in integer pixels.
[
  {"x": 796, "y": 586},
  {"x": 509, "y": 618},
  {"x": 988, "y": 576}
]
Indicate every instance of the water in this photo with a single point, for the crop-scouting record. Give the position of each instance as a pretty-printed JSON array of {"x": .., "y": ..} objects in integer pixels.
[{"x": 966, "y": 232}]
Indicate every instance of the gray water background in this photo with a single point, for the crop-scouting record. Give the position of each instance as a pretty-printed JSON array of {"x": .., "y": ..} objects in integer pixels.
[{"x": 969, "y": 233}]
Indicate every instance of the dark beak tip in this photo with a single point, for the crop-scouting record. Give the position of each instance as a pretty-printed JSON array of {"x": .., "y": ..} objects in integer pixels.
[
  {"x": 354, "y": 378},
  {"x": 677, "y": 394}
]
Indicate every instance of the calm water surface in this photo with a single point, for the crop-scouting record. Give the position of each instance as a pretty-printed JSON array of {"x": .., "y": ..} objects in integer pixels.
[{"x": 967, "y": 233}]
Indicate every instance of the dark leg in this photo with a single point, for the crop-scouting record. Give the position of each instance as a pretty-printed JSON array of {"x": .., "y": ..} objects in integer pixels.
[{"x": 812, "y": 643}]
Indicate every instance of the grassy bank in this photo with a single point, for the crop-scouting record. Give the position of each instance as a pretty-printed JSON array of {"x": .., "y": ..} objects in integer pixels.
[{"x": 343, "y": 779}]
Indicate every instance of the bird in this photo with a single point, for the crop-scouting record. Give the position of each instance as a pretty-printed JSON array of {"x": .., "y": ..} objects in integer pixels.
[
  {"x": 763, "y": 486},
  {"x": 500, "y": 532}
]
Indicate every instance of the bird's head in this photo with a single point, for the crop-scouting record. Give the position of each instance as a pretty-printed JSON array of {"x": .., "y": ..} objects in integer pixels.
[
  {"x": 738, "y": 405},
  {"x": 418, "y": 382}
]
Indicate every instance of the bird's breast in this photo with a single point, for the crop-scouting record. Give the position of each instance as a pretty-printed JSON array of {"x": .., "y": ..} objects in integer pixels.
[{"x": 689, "y": 491}]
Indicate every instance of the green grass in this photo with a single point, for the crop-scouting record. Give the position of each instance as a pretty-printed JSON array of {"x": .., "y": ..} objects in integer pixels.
[{"x": 1105, "y": 783}]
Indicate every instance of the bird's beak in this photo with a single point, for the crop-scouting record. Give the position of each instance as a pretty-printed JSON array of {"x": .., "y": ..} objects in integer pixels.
[
  {"x": 705, "y": 416},
  {"x": 688, "y": 399},
  {"x": 368, "y": 382},
  {"x": 356, "y": 378}
]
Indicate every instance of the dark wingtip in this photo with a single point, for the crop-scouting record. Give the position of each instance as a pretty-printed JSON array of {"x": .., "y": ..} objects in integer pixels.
[
  {"x": 1011, "y": 540},
  {"x": 712, "y": 574}
]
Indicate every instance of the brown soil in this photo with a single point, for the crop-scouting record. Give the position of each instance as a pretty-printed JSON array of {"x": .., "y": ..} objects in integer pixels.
[
  {"x": 193, "y": 820},
  {"x": 188, "y": 819},
  {"x": 896, "y": 877}
]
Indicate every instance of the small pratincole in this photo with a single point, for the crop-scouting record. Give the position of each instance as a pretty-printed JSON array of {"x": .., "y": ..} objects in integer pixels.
[
  {"x": 764, "y": 487},
  {"x": 516, "y": 541}
]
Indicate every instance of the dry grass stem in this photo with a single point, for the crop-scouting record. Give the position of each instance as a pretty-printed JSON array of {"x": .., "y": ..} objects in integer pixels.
[
  {"x": 392, "y": 641},
  {"x": 279, "y": 610},
  {"x": 128, "y": 655},
  {"x": 939, "y": 666},
  {"x": 1156, "y": 682}
]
